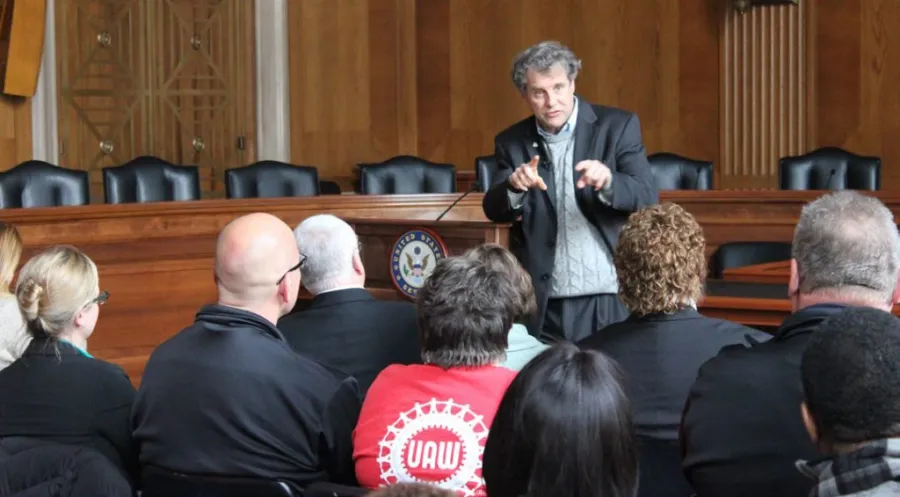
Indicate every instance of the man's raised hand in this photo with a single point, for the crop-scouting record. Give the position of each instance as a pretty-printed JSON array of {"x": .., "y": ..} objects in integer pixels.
[{"x": 526, "y": 176}]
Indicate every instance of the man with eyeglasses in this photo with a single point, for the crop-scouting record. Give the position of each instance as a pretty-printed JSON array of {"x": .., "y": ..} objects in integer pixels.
[
  {"x": 344, "y": 326},
  {"x": 228, "y": 396}
]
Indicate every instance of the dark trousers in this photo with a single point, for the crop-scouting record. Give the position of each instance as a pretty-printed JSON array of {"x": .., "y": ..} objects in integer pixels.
[{"x": 576, "y": 318}]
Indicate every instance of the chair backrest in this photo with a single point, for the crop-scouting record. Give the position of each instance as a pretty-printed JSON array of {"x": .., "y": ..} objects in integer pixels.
[
  {"x": 406, "y": 174},
  {"x": 829, "y": 168},
  {"x": 485, "y": 169},
  {"x": 150, "y": 179},
  {"x": 157, "y": 482},
  {"x": 271, "y": 178},
  {"x": 31, "y": 467},
  {"x": 334, "y": 490},
  {"x": 739, "y": 254},
  {"x": 674, "y": 172},
  {"x": 329, "y": 187},
  {"x": 37, "y": 183}
]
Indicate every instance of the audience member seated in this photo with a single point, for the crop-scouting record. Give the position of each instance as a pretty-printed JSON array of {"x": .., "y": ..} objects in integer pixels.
[
  {"x": 14, "y": 337},
  {"x": 57, "y": 392},
  {"x": 851, "y": 385},
  {"x": 741, "y": 430},
  {"x": 564, "y": 428},
  {"x": 345, "y": 327},
  {"x": 411, "y": 490},
  {"x": 521, "y": 347},
  {"x": 227, "y": 396},
  {"x": 661, "y": 266},
  {"x": 428, "y": 423},
  {"x": 30, "y": 467}
]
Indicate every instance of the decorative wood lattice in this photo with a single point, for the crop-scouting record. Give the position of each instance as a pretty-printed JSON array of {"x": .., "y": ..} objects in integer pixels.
[{"x": 170, "y": 78}]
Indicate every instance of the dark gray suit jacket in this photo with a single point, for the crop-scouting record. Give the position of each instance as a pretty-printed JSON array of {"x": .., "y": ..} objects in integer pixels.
[
  {"x": 607, "y": 134},
  {"x": 353, "y": 332}
]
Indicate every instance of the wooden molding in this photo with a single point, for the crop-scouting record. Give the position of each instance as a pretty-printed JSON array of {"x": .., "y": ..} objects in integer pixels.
[{"x": 764, "y": 93}]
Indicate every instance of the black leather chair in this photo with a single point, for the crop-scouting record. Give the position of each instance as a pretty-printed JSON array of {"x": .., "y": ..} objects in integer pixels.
[
  {"x": 406, "y": 174},
  {"x": 739, "y": 254},
  {"x": 485, "y": 169},
  {"x": 158, "y": 482},
  {"x": 37, "y": 183},
  {"x": 334, "y": 490},
  {"x": 829, "y": 168},
  {"x": 329, "y": 188},
  {"x": 150, "y": 179},
  {"x": 674, "y": 172},
  {"x": 271, "y": 178}
]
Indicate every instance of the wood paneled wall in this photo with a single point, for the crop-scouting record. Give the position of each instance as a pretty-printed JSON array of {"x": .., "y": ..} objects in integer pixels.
[
  {"x": 857, "y": 80},
  {"x": 764, "y": 92},
  {"x": 375, "y": 78},
  {"x": 15, "y": 131}
]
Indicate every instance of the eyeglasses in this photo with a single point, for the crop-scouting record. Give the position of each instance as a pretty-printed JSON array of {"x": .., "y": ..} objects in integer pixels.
[
  {"x": 298, "y": 266},
  {"x": 101, "y": 299}
]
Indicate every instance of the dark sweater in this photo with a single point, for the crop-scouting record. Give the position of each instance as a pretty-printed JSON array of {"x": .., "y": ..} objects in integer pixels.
[{"x": 228, "y": 396}]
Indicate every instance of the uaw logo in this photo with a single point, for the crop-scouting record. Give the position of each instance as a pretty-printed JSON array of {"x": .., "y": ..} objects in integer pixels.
[
  {"x": 413, "y": 259},
  {"x": 440, "y": 443}
]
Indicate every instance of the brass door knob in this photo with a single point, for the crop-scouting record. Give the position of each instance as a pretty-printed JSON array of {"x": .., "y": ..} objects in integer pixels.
[
  {"x": 198, "y": 143},
  {"x": 107, "y": 147}
]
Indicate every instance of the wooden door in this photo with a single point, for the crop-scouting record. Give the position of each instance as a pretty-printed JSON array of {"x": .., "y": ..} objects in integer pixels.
[{"x": 170, "y": 78}]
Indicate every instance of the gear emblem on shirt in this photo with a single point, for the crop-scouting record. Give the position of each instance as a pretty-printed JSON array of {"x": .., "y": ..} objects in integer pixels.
[{"x": 438, "y": 442}]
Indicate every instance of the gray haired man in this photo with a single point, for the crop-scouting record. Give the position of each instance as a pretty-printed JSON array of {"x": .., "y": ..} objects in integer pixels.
[
  {"x": 742, "y": 431},
  {"x": 568, "y": 177}
]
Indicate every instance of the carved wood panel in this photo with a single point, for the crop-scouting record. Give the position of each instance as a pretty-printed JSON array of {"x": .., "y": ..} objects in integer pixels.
[
  {"x": 765, "y": 93},
  {"x": 170, "y": 78}
]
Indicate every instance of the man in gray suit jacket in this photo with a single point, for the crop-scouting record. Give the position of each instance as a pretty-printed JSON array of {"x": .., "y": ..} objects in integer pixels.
[{"x": 568, "y": 177}]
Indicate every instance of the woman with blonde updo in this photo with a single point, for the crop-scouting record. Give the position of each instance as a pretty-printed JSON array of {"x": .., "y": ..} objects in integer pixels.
[
  {"x": 56, "y": 391},
  {"x": 14, "y": 338}
]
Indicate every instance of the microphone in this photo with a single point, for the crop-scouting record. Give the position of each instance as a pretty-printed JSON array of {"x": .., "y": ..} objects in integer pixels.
[
  {"x": 473, "y": 188},
  {"x": 828, "y": 184}
]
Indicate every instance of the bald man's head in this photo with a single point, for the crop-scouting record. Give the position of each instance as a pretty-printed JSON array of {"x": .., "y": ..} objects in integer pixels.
[{"x": 256, "y": 265}]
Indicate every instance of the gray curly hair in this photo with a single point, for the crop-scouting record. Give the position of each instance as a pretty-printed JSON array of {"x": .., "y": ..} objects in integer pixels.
[{"x": 541, "y": 58}]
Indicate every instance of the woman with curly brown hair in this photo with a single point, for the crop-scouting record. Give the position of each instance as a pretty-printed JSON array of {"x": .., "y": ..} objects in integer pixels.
[{"x": 661, "y": 266}]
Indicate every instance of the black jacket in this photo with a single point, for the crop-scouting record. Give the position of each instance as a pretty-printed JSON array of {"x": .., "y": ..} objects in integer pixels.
[
  {"x": 353, "y": 332},
  {"x": 660, "y": 355},
  {"x": 612, "y": 136},
  {"x": 57, "y": 394},
  {"x": 742, "y": 431},
  {"x": 34, "y": 468},
  {"x": 228, "y": 396}
]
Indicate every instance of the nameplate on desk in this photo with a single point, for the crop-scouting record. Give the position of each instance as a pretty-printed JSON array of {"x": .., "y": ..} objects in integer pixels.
[{"x": 413, "y": 259}]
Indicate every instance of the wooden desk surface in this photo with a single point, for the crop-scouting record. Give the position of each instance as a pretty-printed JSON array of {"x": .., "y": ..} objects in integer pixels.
[
  {"x": 778, "y": 273},
  {"x": 156, "y": 259}
]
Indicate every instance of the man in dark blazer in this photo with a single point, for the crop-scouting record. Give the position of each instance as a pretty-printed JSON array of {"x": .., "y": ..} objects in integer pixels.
[
  {"x": 345, "y": 327},
  {"x": 742, "y": 431},
  {"x": 568, "y": 177}
]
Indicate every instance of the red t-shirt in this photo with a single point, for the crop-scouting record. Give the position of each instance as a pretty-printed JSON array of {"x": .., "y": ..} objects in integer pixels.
[{"x": 426, "y": 424}]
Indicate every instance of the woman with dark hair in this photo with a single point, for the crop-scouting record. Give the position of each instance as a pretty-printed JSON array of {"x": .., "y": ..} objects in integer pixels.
[{"x": 563, "y": 429}]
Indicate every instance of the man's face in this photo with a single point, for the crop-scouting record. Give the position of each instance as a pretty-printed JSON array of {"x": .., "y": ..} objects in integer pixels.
[{"x": 551, "y": 96}]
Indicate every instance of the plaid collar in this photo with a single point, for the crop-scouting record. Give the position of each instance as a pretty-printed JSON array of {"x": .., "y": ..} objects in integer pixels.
[{"x": 864, "y": 469}]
